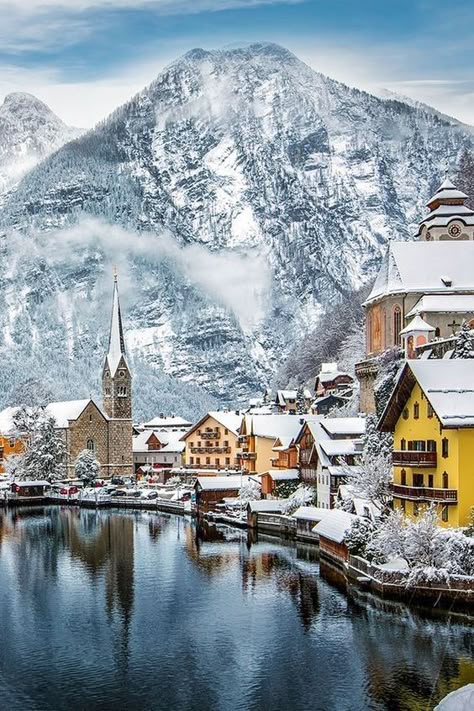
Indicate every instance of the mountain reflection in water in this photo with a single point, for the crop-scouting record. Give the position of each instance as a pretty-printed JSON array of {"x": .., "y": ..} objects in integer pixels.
[{"x": 116, "y": 610}]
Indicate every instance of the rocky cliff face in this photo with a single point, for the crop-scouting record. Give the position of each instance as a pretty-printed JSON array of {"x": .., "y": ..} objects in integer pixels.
[
  {"x": 240, "y": 168},
  {"x": 29, "y": 132}
]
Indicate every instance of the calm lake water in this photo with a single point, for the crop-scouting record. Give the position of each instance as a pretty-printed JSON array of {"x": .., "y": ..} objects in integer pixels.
[{"x": 115, "y": 610}]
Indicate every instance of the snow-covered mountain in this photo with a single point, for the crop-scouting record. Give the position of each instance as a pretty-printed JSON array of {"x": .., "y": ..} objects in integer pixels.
[
  {"x": 240, "y": 193},
  {"x": 29, "y": 132}
]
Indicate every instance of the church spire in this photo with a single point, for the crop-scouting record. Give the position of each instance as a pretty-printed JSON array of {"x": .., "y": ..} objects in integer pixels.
[{"x": 116, "y": 349}]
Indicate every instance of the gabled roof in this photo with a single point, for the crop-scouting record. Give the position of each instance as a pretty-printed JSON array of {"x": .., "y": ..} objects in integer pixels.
[
  {"x": 171, "y": 422},
  {"x": 283, "y": 474},
  {"x": 68, "y": 410},
  {"x": 340, "y": 447},
  {"x": 272, "y": 426},
  {"x": 229, "y": 420},
  {"x": 335, "y": 426},
  {"x": 401, "y": 273},
  {"x": 310, "y": 513},
  {"x": 222, "y": 483},
  {"x": 334, "y": 525},
  {"x": 268, "y": 505},
  {"x": 448, "y": 386}
]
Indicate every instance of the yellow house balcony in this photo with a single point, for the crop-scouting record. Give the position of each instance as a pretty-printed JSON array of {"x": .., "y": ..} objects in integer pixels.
[
  {"x": 424, "y": 493},
  {"x": 215, "y": 434},
  {"x": 412, "y": 458},
  {"x": 210, "y": 450}
]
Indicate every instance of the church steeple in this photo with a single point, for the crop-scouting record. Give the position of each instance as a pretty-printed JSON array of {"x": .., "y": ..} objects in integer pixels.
[
  {"x": 116, "y": 349},
  {"x": 116, "y": 377}
]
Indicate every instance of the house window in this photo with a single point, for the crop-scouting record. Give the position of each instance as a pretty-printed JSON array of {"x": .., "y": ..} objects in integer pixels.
[
  {"x": 198, "y": 460},
  {"x": 1, "y": 455},
  {"x": 416, "y": 508},
  {"x": 218, "y": 462},
  {"x": 403, "y": 477},
  {"x": 199, "y": 444},
  {"x": 191, "y": 460},
  {"x": 227, "y": 461},
  {"x": 416, "y": 411},
  {"x": 226, "y": 443},
  {"x": 226, "y": 431},
  {"x": 431, "y": 445},
  {"x": 406, "y": 414},
  {"x": 430, "y": 481},
  {"x": 402, "y": 505},
  {"x": 418, "y": 480},
  {"x": 191, "y": 444},
  {"x": 107, "y": 391},
  {"x": 208, "y": 460},
  {"x": 11, "y": 443},
  {"x": 91, "y": 445},
  {"x": 403, "y": 445},
  {"x": 445, "y": 447},
  {"x": 397, "y": 325},
  {"x": 444, "y": 514},
  {"x": 430, "y": 411},
  {"x": 445, "y": 480},
  {"x": 437, "y": 332},
  {"x": 122, "y": 391}
]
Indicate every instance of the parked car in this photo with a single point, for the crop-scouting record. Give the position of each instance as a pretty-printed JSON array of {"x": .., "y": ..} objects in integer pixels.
[
  {"x": 118, "y": 492},
  {"x": 149, "y": 494},
  {"x": 117, "y": 481}
]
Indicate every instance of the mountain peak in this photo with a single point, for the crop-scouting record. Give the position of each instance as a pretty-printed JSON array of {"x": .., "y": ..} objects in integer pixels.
[{"x": 19, "y": 102}]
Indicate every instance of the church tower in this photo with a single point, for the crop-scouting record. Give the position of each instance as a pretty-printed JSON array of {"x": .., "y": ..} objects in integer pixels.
[
  {"x": 117, "y": 395},
  {"x": 449, "y": 219}
]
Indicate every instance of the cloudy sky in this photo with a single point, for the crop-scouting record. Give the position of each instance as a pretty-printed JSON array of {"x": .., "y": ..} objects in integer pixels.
[{"x": 84, "y": 57}]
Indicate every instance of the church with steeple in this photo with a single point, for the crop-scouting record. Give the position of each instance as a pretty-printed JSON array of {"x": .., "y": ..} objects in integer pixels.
[{"x": 424, "y": 289}]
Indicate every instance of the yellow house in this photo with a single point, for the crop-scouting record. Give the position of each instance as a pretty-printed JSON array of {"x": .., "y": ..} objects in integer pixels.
[
  {"x": 258, "y": 435},
  {"x": 431, "y": 413},
  {"x": 211, "y": 444}
]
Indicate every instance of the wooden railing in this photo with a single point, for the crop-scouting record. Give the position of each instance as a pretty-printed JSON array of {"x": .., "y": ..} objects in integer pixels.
[
  {"x": 424, "y": 493},
  {"x": 414, "y": 458}
]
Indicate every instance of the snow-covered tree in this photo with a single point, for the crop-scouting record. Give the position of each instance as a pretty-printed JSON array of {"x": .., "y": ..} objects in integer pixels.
[
  {"x": 32, "y": 393},
  {"x": 26, "y": 422},
  {"x": 374, "y": 441},
  {"x": 358, "y": 536},
  {"x": 46, "y": 454},
  {"x": 464, "y": 345},
  {"x": 13, "y": 466},
  {"x": 86, "y": 466},
  {"x": 372, "y": 481},
  {"x": 300, "y": 400},
  {"x": 250, "y": 491},
  {"x": 465, "y": 175},
  {"x": 302, "y": 496},
  {"x": 389, "y": 365},
  {"x": 470, "y": 525}
]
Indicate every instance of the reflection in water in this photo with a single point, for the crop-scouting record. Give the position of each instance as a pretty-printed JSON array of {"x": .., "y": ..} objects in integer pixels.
[{"x": 104, "y": 610}]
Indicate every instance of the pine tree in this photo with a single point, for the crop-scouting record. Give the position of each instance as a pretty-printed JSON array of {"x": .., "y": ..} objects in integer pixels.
[
  {"x": 465, "y": 175},
  {"x": 300, "y": 401},
  {"x": 46, "y": 454},
  {"x": 464, "y": 346},
  {"x": 86, "y": 466}
]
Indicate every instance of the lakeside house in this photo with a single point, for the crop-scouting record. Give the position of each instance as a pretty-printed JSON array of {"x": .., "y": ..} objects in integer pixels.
[
  {"x": 210, "y": 491},
  {"x": 155, "y": 450},
  {"x": 212, "y": 443},
  {"x": 260, "y": 434},
  {"x": 306, "y": 519},
  {"x": 431, "y": 415},
  {"x": 331, "y": 531},
  {"x": 272, "y": 477}
]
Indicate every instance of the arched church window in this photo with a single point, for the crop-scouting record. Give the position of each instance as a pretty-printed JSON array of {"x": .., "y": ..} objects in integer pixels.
[
  {"x": 397, "y": 324},
  {"x": 91, "y": 445}
]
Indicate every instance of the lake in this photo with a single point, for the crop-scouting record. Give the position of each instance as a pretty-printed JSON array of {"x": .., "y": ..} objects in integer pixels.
[{"x": 137, "y": 610}]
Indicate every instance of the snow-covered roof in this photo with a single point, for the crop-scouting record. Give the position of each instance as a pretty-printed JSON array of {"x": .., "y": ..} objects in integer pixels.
[
  {"x": 269, "y": 505},
  {"x": 67, "y": 410},
  {"x": 283, "y": 474},
  {"x": 443, "y": 214},
  {"x": 32, "y": 482},
  {"x": 284, "y": 395},
  {"x": 230, "y": 420},
  {"x": 335, "y": 426},
  {"x": 447, "y": 191},
  {"x": 400, "y": 271},
  {"x": 221, "y": 483},
  {"x": 334, "y": 525},
  {"x": 331, "y": 375},
  {"x": 340, "y": 447},
  {"x": 444, "y": 304},
  {"x": 448, "y": 386},
  {"x": 170, "y": 441},
  {"x": 417, "y": 324},
  {"x": 116, "y": 340},
  {"x": 273, "y": 426},
  {"x": 282, "y": 443},
  {"x": 310, "y": 513},
  {"x": 171, "y": 422},
  {"x": 344, "y": 470}
]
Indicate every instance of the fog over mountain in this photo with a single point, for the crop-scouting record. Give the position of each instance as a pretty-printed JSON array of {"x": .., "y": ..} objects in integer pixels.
[{"x": 239, "y": 194}]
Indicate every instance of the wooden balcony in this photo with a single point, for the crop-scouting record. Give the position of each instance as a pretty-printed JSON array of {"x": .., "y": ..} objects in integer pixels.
[
  {"x": 412, "y": 458},
  {"x": 210, "y": 450},
  {"x": 251, "y": 456},
  {"x": 425, "y": 493},
  {"x": 215, "y": 434}
]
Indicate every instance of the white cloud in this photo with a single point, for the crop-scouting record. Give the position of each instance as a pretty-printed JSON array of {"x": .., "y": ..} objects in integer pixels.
[{"x": 224, "y": 275}]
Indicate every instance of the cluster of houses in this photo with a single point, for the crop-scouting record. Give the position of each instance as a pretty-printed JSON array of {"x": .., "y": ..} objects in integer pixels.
[{"x": 422, "y": 295}]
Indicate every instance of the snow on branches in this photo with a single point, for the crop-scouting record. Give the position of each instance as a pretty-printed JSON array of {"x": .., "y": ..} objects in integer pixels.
[
  {"x": 45, "y": 455},
  {"x": 86, "y": 466},
  {"x": 464, "y": 345}
]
